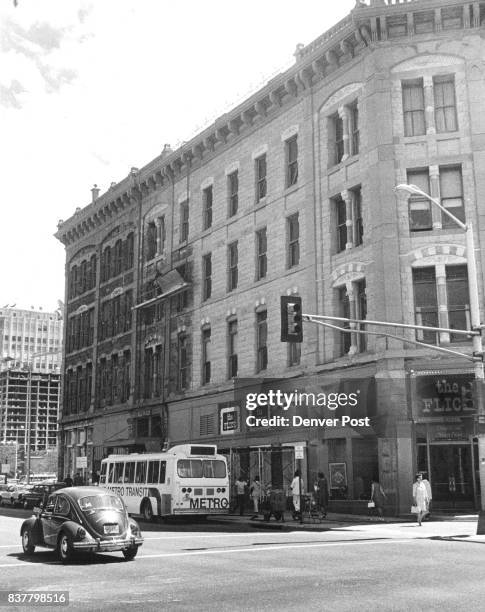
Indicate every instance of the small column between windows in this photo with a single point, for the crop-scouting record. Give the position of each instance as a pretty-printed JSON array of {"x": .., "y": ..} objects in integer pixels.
[
  {"x": 440, "y": 271},
  {"x": 351, "y": 293},
  {"x": 429, "y": 104},
  {"x": 343, "y": 113},
  {"x": 345, "y": 195},
  {"x": 434, "y": 185}
]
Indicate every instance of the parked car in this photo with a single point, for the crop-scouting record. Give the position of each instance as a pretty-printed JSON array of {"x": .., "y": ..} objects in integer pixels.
[
  {"x": 38, "y": 493},
  {"x": 88, "y": 519},
  {"x": 12, "y": 494}
]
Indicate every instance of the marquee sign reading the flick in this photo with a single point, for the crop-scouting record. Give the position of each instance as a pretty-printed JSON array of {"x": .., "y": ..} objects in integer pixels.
[{"x": 444, "y": 396}]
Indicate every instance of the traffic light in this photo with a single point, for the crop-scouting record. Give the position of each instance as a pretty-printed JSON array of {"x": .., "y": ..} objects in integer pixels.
[{"x": 291, "y": 322}]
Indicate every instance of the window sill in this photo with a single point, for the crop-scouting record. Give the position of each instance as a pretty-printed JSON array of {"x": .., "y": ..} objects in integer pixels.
[
  {"x": 262, "y": 202},
  {"x": 351, "y": 159}
]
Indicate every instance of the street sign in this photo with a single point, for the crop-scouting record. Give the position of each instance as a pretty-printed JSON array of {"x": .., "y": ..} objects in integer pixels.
[
  {"x": 299, "y": 452},
  {"x": 81, "y": 462},
  {"x": 5, "y": 468}
]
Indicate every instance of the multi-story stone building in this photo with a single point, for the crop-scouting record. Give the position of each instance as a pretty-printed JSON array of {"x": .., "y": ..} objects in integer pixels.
[{"x": 174, "y": 275}]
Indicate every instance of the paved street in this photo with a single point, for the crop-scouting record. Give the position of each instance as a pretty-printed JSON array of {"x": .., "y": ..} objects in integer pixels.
[{"x": 233, "y": 566}]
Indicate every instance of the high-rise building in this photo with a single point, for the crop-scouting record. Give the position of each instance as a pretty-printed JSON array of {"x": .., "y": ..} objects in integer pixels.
[
  {"x": 174, "y": 275},
  {"x": 30, "y": 338}
]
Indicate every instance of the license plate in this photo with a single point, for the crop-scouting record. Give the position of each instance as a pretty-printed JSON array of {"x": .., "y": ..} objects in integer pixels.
[{"x": 111, "y": 529}]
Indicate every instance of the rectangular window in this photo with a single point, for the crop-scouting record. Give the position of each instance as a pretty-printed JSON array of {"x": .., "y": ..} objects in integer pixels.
[
  {"x": 420, "y": 217},
  {"x": 207, "y": 276},
  {"x": 260, "y": 168},
  {"x": 148, "y": 370},
  {"x": 293, "y": 237},
  {"x": 184, "y": 221},
  {"x": 451, "y": 191},
  {"x": 151, "y": 238},
  {"x": 162, "y": 233},
  {"x": 206, "y": 426},
  {"x": 354, "y": 129},
  {"x": 261, "y": 259},
  {"x": 207, "y": 196},
  {"x": 413, "y": 107},
  {"x": 445, "y": 104},
  {"x": 338, "y": 130},
  {"x": 232, "y": 266},
  {"x": 458, "y": 300},
  {"x": 183, "y": 362},
  {"x": 232, "y": 348},
  {"x": 425, "y": 303},
  {"x": 344, "y": 310},
  {"x": 206, "y": 358},
  {"x": 233, "y": 192},
  {"x": 341, "y": 217},
  {"x": 291, "y": 146},
  {"x": 262, "y": 340}
]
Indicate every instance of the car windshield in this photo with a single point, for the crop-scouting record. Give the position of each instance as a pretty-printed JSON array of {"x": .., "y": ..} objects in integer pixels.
[{"x": 100, "y": 502}]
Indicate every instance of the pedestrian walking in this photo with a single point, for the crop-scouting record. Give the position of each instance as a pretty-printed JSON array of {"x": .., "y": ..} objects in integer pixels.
[
  {"x": 322, "y": 494},
  {"x": 255, "y": 493},
  {"x": 420, "y": 497},
  {"x": 68, "y": 481},
  {"x": 296, "y": 492},
  {"x": 378, "y": 496},
  {"x": 430, "y": 494},
  {"x": 78, "y": 480},
  {"x": 241, "y": 486}
]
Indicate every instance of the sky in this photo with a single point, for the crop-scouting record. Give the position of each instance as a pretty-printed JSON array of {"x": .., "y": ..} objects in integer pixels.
[{"x": 89, "y": 89}]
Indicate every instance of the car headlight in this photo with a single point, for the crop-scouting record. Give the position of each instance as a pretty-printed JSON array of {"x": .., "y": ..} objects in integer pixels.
[
  {"x": 135, "y": 530},
  {"x": 81, "y": 533}
]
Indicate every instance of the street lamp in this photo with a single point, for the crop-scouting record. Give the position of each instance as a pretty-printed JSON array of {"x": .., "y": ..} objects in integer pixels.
[{"x": 474, "y": 318}]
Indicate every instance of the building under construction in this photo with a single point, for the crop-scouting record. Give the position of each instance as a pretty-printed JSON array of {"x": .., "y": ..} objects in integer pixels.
[{"x": 29, "y": 410}]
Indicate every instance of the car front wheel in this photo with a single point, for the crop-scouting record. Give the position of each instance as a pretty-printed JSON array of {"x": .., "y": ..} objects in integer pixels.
[
  {"x": 64, "y": 548},
  {"x": 27, "y": 545},
  {"x": 130, "y": 553}
]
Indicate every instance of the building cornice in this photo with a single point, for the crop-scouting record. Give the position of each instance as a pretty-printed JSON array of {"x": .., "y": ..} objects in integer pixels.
[{"x": 363, "y": 28}]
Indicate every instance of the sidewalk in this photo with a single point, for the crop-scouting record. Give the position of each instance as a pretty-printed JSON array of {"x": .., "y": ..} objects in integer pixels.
[{"x": 335, "y": 520}]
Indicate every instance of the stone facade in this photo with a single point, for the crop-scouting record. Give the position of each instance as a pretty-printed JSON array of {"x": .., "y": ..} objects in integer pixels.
[{"x": 144, "y": 380}]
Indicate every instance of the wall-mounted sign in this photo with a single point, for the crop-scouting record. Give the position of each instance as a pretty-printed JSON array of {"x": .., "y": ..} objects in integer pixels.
[
  {"x": 81, "y": 462},
  {"x": 338, "y": 475},
  {"x": 229, "y": 420},
  {"x": 444, "y": 395}
]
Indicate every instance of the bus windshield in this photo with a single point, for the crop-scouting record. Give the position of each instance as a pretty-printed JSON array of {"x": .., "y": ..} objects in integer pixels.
[{"x": 201, "y": 468}]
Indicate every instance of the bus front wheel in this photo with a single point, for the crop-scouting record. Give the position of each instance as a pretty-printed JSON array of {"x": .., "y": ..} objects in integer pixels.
[{"x": 147, "y": 511}]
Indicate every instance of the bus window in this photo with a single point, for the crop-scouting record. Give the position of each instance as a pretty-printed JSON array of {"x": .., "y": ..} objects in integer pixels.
[
  {"x": 130, "y": 471},
  {"x": 111, "y": 478},
  {"x": 102, "y": 475},
  {"x": 214, "y": 469},
  {"x": 141, "y": 472},
  {"x": 153, "y": 472},
  {"x": 163, "y": 469},
  {"x": 118, "y": 472},
  {"x": 189, "y": 468}
]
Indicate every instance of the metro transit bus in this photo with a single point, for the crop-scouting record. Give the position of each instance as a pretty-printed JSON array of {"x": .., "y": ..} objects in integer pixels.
[{"x": 189, "y": 479}]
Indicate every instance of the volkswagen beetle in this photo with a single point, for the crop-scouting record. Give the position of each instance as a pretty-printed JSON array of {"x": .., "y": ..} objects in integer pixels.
[{"x": 89, "y": 519}]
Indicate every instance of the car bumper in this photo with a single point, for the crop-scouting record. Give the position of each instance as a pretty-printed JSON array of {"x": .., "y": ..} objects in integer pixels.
[{"x": 98, "y": 546}]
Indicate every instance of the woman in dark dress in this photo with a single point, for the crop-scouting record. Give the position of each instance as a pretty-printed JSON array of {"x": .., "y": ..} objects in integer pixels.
[
  {"x": 378, "y": 496},
  {"x": 322, "y": 494}
]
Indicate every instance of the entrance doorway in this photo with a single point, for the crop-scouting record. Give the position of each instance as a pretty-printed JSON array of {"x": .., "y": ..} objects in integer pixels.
[{"x": 452, "y": 475}]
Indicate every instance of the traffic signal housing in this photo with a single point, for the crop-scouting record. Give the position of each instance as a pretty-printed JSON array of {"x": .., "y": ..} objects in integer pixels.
[{"x": 291, "y": 321}]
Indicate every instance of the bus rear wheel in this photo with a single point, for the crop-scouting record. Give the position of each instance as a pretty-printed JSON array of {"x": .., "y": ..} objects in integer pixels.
[{"x": 147, "y": 511}]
